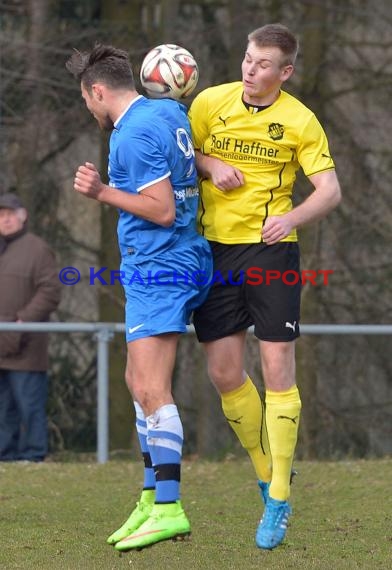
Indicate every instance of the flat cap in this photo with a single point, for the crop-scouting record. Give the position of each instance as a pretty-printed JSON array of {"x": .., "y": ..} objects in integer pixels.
[{"x": 10, "y": 201}]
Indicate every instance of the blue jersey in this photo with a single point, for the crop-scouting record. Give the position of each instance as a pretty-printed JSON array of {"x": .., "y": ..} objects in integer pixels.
[{"x": 150, "y": 142}]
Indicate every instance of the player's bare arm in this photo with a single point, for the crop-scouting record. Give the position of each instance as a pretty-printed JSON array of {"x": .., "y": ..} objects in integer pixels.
[
  {"x": 155, "y": 203},
  {"x": 223, "y": 175},
  {"x": 325, "y": 197}
]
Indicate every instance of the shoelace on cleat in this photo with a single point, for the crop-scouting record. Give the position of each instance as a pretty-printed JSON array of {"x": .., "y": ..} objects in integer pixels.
[{"x": 276, "y": 515}]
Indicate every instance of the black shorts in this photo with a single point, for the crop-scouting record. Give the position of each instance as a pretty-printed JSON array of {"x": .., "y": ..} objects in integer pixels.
[{"x": 253, "y": 284}]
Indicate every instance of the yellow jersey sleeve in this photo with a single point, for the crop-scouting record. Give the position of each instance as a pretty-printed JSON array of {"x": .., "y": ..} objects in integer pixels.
[{"x": 313, "y": 151}]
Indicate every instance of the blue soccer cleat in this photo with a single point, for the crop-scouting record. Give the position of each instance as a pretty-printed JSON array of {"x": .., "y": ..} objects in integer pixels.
[
  {"x": 273, "y": 526},
  {"x": 264, "y": 487},
  {"x": 264, "y": 490}
]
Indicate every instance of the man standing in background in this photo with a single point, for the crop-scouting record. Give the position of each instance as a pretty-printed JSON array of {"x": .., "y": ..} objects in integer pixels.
[{"x": 29, "y": 291}]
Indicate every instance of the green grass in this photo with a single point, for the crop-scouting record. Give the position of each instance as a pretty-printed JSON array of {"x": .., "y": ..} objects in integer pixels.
[{"x": 58, "y": 515}]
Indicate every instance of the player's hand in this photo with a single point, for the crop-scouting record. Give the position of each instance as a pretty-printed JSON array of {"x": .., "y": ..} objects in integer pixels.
[
  {"x": 275, "y": 229},
  {"x": 226, "y": 177},
  {"x": 88, "y": 181}
]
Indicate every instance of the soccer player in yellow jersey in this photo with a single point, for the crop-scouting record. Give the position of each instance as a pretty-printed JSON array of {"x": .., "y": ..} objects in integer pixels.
[{"x": 251, "y": 137}]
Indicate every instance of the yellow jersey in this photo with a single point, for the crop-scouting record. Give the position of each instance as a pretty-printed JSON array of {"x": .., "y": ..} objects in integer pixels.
[{"x": 268, "y": 146}]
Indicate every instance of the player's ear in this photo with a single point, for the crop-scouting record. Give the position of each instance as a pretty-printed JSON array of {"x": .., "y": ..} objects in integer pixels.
[
  {"x": 286, "y": 72},
  {"x": 97, "y": 91}
]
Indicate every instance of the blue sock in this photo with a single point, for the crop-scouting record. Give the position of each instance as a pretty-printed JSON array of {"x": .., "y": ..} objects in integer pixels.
[
  {"x": 141, "y": 428},
  {"x": 164, "y": 439}
]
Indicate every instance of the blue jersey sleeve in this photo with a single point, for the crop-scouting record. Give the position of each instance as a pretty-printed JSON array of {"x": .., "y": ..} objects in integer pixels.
[{"x": 143, "y": 158}]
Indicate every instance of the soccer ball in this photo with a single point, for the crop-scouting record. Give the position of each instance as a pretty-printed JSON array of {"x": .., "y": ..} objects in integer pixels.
[{"x": 169, "y": 70}]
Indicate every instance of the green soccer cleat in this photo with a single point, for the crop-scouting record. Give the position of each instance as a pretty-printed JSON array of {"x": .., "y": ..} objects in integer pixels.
[
  {"x": 166, "y": 521},
  {"x": 138, "y": 516}
]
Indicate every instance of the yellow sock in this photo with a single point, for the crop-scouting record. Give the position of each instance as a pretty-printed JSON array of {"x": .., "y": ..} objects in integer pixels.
[
  {"x": 244, "y": 411},
  {"x": 282, "y": 418}
]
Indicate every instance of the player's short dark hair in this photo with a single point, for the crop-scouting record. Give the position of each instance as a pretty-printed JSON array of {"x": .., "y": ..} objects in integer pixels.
[
  {"x": 277, "y": 35},
  {"x": 105, "y": 64}
]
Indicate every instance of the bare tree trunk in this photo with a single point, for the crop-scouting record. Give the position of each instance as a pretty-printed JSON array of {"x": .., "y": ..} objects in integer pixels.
[
  {"x": 121, "y": 411},
  {"x": 169, "y": 21},
  {"x": 33, "y": 134},
  {"x": 312, "y": 51}
]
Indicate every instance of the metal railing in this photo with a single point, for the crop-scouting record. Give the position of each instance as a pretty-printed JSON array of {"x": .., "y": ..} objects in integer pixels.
[{"x": 104, "y": 332}]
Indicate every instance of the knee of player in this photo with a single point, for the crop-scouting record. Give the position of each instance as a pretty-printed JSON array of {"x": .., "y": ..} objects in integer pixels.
[
  {"x": 129, "y": 379},
  {"x": 144, "y": 399},
  {"x": 223, "y": 377},
  {"x": 150, "y": 397}
]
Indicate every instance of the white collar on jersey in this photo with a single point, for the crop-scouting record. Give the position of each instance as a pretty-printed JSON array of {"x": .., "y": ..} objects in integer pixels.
[{"x": 126, "y": 110}]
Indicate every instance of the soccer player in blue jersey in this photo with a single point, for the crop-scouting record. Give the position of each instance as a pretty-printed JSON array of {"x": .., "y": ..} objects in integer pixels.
[{"x": 153, "y": 183}]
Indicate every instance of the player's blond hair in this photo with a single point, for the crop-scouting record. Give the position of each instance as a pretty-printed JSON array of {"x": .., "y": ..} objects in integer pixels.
[{"x": 276, "y": 35}]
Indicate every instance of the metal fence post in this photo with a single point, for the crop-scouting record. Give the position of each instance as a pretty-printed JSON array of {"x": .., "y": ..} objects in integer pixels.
[{"x": 103, "y": 336}]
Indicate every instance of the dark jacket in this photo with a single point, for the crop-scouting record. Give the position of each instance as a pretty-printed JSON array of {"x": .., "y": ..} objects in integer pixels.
[{"x": 29, "y": 291}]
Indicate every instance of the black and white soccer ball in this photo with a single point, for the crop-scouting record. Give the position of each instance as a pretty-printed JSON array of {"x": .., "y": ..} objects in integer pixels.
[{"x": 169, "y": 70}]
